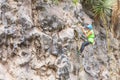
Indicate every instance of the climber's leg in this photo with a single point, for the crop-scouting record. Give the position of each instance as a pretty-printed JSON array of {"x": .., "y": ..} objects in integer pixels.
[{"x": 83, "y": 46}]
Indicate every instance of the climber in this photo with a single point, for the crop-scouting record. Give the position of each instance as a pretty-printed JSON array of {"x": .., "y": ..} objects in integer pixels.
[{"x": 89, "y": 34}]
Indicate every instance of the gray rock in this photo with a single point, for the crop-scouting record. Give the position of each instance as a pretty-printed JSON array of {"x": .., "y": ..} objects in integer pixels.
[
  {"x": 47, "y": 41},
  {"x": 50, "y": 23},
  {"x": 52, "y": 77},
  {"x": 91, "y": 66},
  {"x": 24, "y": 59},
  {"x": 66, "y": 34},
  {"x": 115, "y": 43},
  {"x": 2, "y": 1},
  {"x": 64, "y": 66},
  {"x": 37, "y": 42},
  {"x": 5, "y": 7}
]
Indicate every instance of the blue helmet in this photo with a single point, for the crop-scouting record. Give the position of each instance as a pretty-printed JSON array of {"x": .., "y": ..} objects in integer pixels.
[{"x": 90, "y": 27}]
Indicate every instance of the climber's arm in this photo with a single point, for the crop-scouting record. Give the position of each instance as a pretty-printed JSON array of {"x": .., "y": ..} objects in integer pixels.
[
  {"x": 89, "y": 33},
  {"x": 83, "y": 30}
]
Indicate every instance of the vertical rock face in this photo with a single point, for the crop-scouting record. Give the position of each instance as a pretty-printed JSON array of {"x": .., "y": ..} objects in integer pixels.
[{"x": 38, "y": 41}]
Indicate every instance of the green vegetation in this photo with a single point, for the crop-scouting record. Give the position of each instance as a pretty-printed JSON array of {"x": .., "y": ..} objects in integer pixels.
[
  {"x": 55, "y": 1},
  {"x": 75, "y": 2},
  {"x": 99, "y": 7}
]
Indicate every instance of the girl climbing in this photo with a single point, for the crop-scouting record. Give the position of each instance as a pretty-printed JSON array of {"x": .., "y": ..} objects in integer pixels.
[{"x": 89, "y": 34}]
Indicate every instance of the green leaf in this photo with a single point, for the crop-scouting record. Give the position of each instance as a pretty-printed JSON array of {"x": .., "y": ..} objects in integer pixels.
[{"x": 75, "y": 2}]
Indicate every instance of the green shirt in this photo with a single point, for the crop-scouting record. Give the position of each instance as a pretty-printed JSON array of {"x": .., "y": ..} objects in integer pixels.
[{"x": 91, "y": 37}]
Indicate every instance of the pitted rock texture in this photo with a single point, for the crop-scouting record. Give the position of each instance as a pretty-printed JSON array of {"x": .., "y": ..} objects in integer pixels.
[{"x": 39, "y": 40}]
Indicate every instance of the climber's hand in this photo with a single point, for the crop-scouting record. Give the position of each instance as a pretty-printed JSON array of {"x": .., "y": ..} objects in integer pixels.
[{"x": 82, "y": 27}]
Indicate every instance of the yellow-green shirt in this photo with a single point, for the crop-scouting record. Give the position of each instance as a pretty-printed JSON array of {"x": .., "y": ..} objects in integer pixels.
[{"x": 91, "y": 37}]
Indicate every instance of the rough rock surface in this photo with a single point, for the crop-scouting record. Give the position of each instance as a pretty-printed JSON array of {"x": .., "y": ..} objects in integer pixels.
[{"x": 38, "y": 42}]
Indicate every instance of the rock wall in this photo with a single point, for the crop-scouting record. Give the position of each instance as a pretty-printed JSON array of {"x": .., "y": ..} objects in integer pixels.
[{"x": 39, "y": 40}]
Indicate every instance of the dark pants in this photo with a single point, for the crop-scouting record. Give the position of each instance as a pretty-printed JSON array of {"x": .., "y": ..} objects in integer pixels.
[{"x": 86, "y": 43}]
